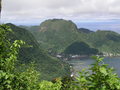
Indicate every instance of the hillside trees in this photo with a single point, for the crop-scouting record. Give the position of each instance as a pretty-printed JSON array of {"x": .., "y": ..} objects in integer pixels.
[
  {"x": 12, "y": 79},
  {"x": 48, "y": 66},
  {"x": 56, "y": 35},
  {"x": 9, "y": 79},
  {"x": 80, "y": 48}
]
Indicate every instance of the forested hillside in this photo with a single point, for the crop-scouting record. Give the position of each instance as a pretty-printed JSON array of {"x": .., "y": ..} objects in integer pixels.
[
  {"x": 107, "y": 42},
  {"x": 55, "y": 35},
  {"x": 80, "y": 48},
  {"x": 48, "y": 66}
]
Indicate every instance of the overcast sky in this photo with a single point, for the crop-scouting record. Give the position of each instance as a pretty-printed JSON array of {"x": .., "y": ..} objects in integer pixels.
[{"x": 29, "y": 11}]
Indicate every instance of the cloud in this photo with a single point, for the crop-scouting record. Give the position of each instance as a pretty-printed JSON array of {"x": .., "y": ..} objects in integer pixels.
[{"x": 19, "y": 10}]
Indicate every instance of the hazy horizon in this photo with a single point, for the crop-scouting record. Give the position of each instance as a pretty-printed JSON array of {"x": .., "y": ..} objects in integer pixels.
[
  {"x": 112, "y": 25},
  {"x": 91, "y": 14}
]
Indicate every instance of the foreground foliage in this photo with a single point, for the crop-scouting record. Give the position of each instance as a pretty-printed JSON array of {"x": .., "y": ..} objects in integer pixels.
[
  {"x": 12, "y": 79},
  {"x": 100, "y": 76}
]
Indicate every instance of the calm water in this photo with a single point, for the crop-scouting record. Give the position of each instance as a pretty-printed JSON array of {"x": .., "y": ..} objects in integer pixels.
[{"x": 85, "y": 63}]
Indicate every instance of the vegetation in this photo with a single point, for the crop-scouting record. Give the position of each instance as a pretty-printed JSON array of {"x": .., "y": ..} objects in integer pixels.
[
  {"x": 12, "y": 79},
  {"x": 105, "y": 41},
  {"x": 56, "y": 35},
  {"x": 48, "y": 66},
  {"x": 84, "y": 30},
  {"x": 80, "y": 48},
  {"x": 100, "y": 76},
  {"x": 31, "y": 28}
]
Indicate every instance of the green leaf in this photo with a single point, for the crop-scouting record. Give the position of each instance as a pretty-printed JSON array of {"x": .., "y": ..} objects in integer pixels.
[
  {"x": 103, "y": 70},
  {"x": 100, "y": 59}
]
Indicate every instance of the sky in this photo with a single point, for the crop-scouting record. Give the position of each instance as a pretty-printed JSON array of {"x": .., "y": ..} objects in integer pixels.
[{"x": 87, "y": 12}]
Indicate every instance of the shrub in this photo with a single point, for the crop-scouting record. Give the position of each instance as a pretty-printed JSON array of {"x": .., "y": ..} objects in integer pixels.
[
  {"x": 12, "y": 79},
  {"x": 100, "y": 77}
]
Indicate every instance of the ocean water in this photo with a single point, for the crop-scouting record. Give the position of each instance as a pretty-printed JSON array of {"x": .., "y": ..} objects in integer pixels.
[{"x": 79, "y": 64}]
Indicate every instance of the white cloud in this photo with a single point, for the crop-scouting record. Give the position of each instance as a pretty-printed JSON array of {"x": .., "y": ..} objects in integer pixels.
[{"x": 18, "y": 10}]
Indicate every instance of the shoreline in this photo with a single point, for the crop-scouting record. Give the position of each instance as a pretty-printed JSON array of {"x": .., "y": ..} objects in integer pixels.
[{"x": 86, "y": 57}]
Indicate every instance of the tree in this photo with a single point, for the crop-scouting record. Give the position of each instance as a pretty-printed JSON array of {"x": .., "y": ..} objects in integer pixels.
[{"x": 10, "y": 77}]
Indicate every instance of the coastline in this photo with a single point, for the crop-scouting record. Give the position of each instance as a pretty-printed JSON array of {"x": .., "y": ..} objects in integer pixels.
[{"x": 70, "y": 57}]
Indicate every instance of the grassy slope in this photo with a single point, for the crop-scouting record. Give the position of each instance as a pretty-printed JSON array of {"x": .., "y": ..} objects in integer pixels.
[{"x": 48, "y": 66}]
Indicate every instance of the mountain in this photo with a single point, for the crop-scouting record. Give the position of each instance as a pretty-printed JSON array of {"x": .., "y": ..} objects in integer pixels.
[
  {"x": 105, "y": 41},
  {"x": 30, "y": 28},
  {"x": 80, "y": 48},
  {"x": 48, "y": 66},
  {"x": 84, "y": 30},
  {"x": 57, "y": 35}
]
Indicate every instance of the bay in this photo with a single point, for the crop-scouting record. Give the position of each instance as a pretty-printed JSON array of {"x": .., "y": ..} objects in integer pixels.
[{"x": 79, "y": 64}]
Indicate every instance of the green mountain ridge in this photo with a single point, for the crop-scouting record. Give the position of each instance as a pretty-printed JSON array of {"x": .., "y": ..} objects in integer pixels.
[
  {"x": 55, "y": 35},
  {"x": 105, "y": 41},
  {"x": 30, "y": 28},
  {"x": 48, "y": 66},
  {"x": 84, "y": 30},
  {"x": 51, "y": 35}
]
